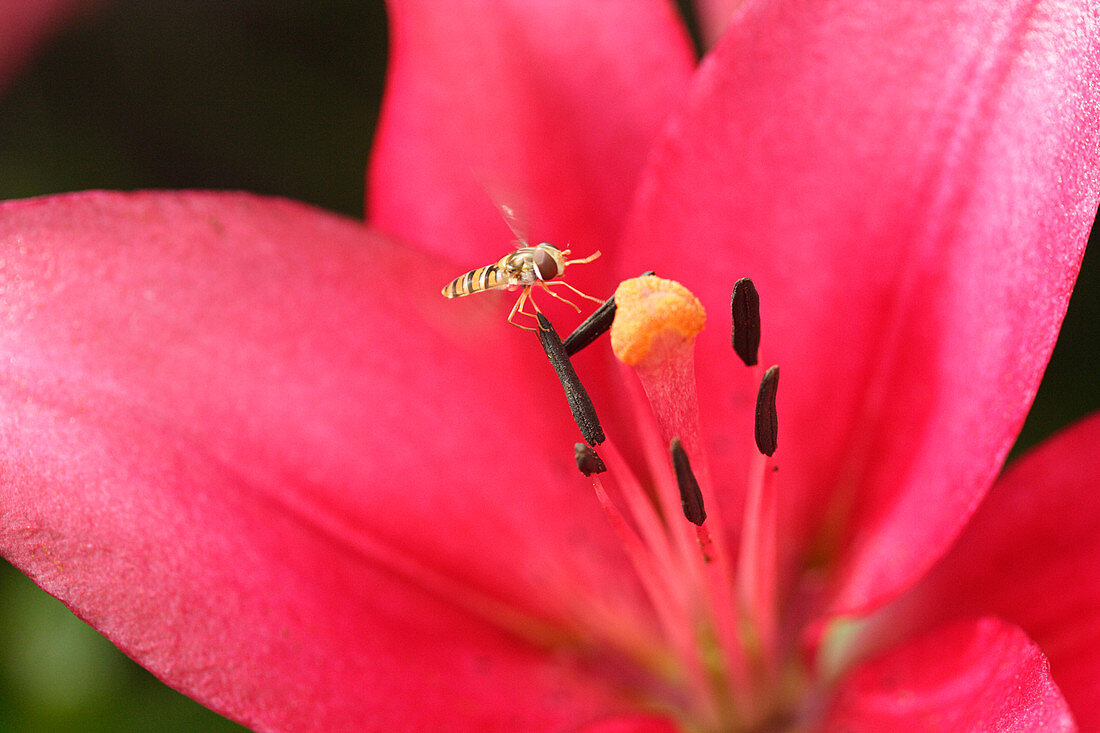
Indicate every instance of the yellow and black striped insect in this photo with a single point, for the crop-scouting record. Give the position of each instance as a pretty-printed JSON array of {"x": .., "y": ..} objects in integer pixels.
[{"x": 523, "y": 268}]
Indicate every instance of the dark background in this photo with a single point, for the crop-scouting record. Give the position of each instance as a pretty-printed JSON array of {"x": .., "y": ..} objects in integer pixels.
[{"x": 271, "y": 96}]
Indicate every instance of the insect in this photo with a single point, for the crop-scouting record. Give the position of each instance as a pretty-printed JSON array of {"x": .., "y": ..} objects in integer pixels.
[{"x": 524, "y": 268}]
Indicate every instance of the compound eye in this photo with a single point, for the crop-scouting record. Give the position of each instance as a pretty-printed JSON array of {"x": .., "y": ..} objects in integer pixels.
[{"x": 546, "y": 267}]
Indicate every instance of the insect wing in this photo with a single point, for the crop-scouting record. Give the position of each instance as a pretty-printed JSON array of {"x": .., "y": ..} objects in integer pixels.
[{"x": 512, "y": 220}]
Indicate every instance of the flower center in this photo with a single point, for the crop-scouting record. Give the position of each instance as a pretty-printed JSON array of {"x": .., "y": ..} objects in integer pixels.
[{"x": 716, "y": 604}]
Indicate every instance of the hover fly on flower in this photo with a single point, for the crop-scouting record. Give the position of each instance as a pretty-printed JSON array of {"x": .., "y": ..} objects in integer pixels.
[{"x": 524, "y": 268}]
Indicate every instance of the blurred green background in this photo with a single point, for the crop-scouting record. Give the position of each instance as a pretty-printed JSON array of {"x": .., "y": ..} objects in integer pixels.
[{"x": 271, "y": 96}]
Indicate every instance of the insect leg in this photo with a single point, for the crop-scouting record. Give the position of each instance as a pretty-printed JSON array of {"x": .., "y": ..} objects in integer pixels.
[
  {"x": 518, "y": 308},
  {"x": 515, "y": 308},
  {"x": 583, "y": 295},
  {"x": 567, "y": 302},
  {"x": 531, "y": 300}
]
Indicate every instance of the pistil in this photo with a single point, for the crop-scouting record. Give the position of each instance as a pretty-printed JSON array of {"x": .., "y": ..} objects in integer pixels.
[{"x": 654, "y": 332}]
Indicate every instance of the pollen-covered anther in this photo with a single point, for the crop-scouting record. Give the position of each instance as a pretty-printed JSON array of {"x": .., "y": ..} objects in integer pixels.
[
  {"x": 588, "y": 460},
  {"x": 691, "y": 497},
  {"x": 745, "y": 308},
  {"x": 654, "y": 317},
  {"x": 580, "y": 404},
  {"x": 767, "y": 422}
]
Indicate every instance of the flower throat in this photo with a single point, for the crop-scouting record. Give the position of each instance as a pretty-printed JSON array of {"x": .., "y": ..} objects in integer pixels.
[{"x": 716, "y": 605}]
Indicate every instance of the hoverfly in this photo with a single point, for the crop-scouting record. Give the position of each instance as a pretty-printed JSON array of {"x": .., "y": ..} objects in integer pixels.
[{"x": 524, "y": 268}]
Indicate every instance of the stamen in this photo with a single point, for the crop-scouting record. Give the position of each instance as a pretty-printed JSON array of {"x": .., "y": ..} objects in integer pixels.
[
  {"x": 745, "y": 306},
  {"x": 588, "y": 460},
  {"x": 580, "y": 404},
  {"x": 691, "y": 498},
  {"x": 666, "y": 601},
  {"x": 593, "y": 326},
  {"x": 757, "y": 563},
  {"x": 767, "y": 420}
]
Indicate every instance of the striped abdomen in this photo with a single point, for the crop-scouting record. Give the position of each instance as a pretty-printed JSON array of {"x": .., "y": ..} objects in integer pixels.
[{"x": 474, "y": 281}]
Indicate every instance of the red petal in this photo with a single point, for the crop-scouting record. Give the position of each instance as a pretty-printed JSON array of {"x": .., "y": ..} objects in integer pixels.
[
  {"x": 1030, "y": 556},
  {"x": 632, "y": 724},
  {"x": 549, "y": 106},
  {"x": 249, "y": 442},
  {"x": 974, "y": 675},
  {"x": 26, "y": 25},
  {"x": 910, "y": 184}
]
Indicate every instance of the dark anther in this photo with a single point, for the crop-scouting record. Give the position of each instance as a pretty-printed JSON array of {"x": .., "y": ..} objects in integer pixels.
[
  {"x": 591, "y": 328},
  {"x": 767, "y": 421},
  {"x": 746, "y": 321},
  {"x": 588, "y": 460},
  {"x": 691, "y": 498},
  {"x": 579, "y": 402},
  {"x": 596, "y": 324}
]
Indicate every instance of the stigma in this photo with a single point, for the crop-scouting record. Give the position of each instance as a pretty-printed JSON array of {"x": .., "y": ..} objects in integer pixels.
[{"x": 654, "y": 315}]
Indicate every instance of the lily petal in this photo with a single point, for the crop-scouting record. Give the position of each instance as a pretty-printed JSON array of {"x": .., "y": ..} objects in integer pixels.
[
  {"x": 913, "y": 220},
  {"x": 632, "y": 724},
  {"x": 972, "y": 675},
  {"x": 548, "y": 106},
  {"x": 243, "y": 439},
  {"x": 1029, "y": 556},
  {"x": 26, "y": 25}
]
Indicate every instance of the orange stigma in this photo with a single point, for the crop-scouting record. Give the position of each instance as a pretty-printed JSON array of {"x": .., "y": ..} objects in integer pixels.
[{"x": 654, "y": 316}]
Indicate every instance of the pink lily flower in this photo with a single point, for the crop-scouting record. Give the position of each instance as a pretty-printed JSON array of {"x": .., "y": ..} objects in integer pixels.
[{"x": 250, "y": 443}]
